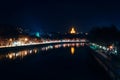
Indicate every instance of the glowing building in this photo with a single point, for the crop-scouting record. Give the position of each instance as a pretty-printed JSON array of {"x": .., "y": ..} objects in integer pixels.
[{"x": 73, "y": 31}]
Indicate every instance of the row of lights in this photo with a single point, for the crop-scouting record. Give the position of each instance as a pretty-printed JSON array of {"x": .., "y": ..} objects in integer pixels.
[{"x": 110, "y": 48}]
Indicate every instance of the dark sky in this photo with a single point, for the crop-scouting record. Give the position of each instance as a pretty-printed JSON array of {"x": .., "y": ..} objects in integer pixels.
[{"x": 43, "y": 15}]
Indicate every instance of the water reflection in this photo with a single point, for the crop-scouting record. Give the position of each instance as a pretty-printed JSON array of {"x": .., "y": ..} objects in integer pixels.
[
  {"x": 21, "y": 54},
  {"x": 72, "y": 50},
  {"x": 62, "y": 45}
]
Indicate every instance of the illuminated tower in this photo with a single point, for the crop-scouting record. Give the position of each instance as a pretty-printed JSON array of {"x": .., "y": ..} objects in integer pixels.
[{"x": 72, "y": 31}]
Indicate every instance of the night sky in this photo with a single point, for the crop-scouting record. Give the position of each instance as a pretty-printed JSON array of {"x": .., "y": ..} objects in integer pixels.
[{"x": 57, "y": 15}]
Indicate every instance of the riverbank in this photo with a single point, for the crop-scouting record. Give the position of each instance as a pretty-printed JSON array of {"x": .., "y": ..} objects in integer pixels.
[
  {"x": 62, "y": 63},
  {"x": 109, "y": 63},
  {"x": 11, "y": 48}
]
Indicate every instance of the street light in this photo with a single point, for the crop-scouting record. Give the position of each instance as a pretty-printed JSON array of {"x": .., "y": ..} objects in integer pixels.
[
  {"x": 26, "y": 39},
  {"x": 111, "y": 47}
]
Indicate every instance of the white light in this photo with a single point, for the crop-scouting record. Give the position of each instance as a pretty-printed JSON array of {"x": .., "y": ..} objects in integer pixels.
[
  {"x": 104, "y": 48},
  {"x": 93, "y": 44},
  {"x": 26, "y": 39},
  {"x": 107, "y": 49},
  {"x": 30, "y": 51},
  {"x": 51, "y": 47},
  {"x": 100, "y": 46},
  {"x": 115, "y": 51}
]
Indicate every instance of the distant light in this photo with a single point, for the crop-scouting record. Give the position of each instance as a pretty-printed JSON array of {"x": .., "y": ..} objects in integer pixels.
[
  {"x": 17, "y": 43},
  {"x": 104, "y": 48},
  {"x": 86, "y": 33},
  {"x": 35, "y": 50},
  {"x": 93, "y": 44},
  {"x": 100, "y": 46},
  {"x": 10, "y": 56},
  {"x": 37, "y": 34},
  {"x": 107, "y": 49},
  {"x": 73, "y": 44},
  {"x": 56, "y": 46},
  {"x": 51, "y": 47},
  {"x": 73, "y": 31},
  {"x": 26, "y": 39},
  {"x": 111, "y": 47},
  {"x": 46, "y": 48},
  {"x": 64, "y": 45},
  {"x": 30, "y": 51},
  {"x": 25, "y": 52},
  {"x": 115, "y": 51},
  {"x": 10, "y": 39},
  {"x": 77, "y": 44},
  {"x": 43, "y": 49}
]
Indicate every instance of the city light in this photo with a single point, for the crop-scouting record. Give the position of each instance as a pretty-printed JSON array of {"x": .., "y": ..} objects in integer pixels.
[
  {"x": 111, "y": 47},
  {"x": 108, "y": 49},
  {"x": 27, "y": 42},
  {"x": 72, "y": 50},
  {"x": 26, "y": 39},
  {"x": 10, "y": 39},
  {"x": 72, "y": 31}
]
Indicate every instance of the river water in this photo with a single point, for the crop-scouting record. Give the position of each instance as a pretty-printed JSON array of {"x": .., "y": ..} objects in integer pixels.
[{"x": 69, "y": 61}]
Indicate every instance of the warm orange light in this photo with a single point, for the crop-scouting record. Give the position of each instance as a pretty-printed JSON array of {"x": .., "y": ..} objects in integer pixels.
[
  {"x": 111, "y": 47},
  {"x": 10, "y": 39},
  {"x": 72, "y": 50},
  {"x": 35, "y": 50},
  {"x": 72, "y": 31},
  {"x": 26, "y": 39},
  {"x": 77, "y": 44},
  {"x": 10, "y": 56},
  {"x": 25, "y": 52},
  {"x": 64, "y": 45}
]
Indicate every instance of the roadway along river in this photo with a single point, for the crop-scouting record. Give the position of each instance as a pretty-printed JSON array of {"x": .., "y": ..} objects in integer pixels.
[{"x": 53, "y": 62}]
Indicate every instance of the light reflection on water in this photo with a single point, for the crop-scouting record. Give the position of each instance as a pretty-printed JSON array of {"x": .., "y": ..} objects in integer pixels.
[
  {"x": 72, "y": 50},
  {"x": 21, "y": 54}
]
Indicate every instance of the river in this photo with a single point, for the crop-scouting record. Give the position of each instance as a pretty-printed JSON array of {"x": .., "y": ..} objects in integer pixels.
[{"x": 69, "y": 61}]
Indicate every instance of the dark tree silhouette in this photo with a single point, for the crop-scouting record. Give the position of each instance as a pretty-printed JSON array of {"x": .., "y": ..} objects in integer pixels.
[
  {"x": 104, "y": 35},
  {"x": 10, "y": 31}
]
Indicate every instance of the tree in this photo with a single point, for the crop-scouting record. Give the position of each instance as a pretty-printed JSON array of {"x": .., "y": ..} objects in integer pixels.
[{"x": 106, "y": 34}]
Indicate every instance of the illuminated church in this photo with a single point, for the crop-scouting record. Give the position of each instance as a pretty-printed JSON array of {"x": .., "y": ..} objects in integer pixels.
[{"x": 73, "y": 31}]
